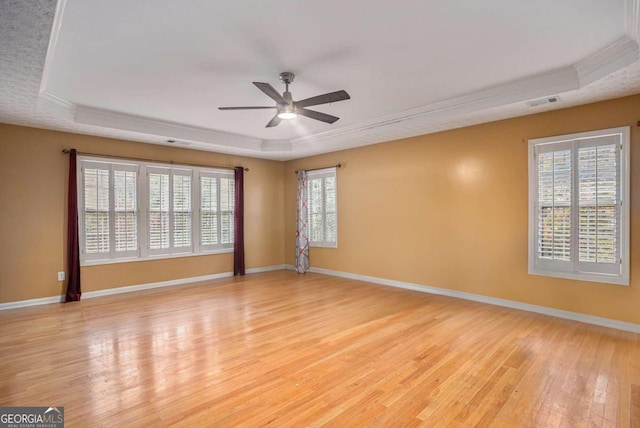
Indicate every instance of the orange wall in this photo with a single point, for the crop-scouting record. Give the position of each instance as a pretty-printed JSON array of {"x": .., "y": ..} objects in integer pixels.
[
  {"x": 450, "y": 210},
  {"x": 33, "y": 183}
]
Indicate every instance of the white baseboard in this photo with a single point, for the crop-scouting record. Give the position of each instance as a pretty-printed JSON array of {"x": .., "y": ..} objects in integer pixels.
[
  {"x": 131, "y": 288},
  {"x": 31, "y": 302},
  {"x": 575, "y": 316},
  {"x": 267, "y": 268}
]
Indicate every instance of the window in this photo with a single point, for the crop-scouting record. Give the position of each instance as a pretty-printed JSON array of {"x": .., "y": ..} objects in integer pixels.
[
  {"x": 217, "y": 202},
  {"x": 322, "y": 208},
  {"x": 170, "y": 213},
  {"x": 109, "y": 210},
  {"x": 132, "y": 210},
  {"x": 578, "y": 206}
]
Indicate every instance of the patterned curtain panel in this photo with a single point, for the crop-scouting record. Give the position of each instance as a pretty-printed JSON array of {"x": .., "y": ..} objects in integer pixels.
[{"x": 302, "y": 230}]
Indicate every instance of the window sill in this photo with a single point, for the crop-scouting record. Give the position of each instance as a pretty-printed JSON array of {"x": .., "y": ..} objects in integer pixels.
[
  {"x": 154, "y": 257},
  {"x": 579, "y": 276},
  {"x": 323, "y": 245}
]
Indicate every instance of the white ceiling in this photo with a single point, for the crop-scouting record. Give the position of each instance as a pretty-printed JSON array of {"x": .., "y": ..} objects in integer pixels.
[{"x": 153, "y": 70}]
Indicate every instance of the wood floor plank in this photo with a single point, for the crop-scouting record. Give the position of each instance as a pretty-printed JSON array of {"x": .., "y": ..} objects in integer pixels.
[
  {"x": 635, "y": 406},
  {"x": 282, "y": 349}
]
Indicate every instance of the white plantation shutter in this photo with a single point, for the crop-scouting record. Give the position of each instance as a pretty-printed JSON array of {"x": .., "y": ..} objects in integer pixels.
[
  {"x": 170, "y": 210},
  {"x": 95, "y": 210},
  {"x": 181, "y": 209},
  {"x": 322, "y": 207},
  {"x": 599, "y": 210},
  {"x": 109, "y": 210},
  {"x": 209, "y": 211},
  {"x": 217, "y": 204},
  {"x": 227, "y": 205},
  {"x": 554, "y": 207},
  {"x": 578, "y": 228},
  {"x": 159, "y": 197},
  {"x": 125, "y": 189}
]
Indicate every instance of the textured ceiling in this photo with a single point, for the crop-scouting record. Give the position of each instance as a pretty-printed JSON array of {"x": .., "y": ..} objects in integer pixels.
[{"x": 144, "y": 71}]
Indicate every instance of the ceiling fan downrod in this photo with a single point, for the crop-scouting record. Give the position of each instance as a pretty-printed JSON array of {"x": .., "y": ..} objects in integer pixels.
[{"x": 287, "y": 77}]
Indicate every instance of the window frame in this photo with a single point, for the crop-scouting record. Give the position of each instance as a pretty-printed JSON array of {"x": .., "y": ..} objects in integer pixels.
[
  {"x": 143, "y": 251},
  {"x": 576, "y": 269},
  {"x": 330, "y": 172},
  {"x": 100, "y": 164}
]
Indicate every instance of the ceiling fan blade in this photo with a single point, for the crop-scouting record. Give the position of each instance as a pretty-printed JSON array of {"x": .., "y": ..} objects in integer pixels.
[
  {"x": 331, "y": 97},
  {"x": 273, "y": 122},
  {"x": 317, "y": 115},
  {"x": 270, "y": 92},
  {"x": 244, "y": 108}
]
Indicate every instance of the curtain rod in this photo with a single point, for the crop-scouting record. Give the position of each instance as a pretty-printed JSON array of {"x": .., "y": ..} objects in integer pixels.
[
  {"x": 66, "y": 151},
  {"x": 316, "y": 169}
]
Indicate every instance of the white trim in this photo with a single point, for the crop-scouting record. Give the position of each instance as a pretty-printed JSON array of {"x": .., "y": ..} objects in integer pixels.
[
  {"x": 53, "y": 42},
  {"x": 558, "y": 313},
  {"x": 154, "y": 257},
  {"x": 617, "y": 55},
  {"x": 128, "y": 122},
  {"x": 31, "y": 302},
  {"x": 268, "y": 268},
  {"x": 49, "y": 103},
  {"x": 632, "y": 19},
  {"x": 132, "y": 288}
]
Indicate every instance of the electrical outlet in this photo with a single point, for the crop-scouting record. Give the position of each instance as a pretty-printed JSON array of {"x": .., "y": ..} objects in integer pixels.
[{"x": 60, "y": 276}]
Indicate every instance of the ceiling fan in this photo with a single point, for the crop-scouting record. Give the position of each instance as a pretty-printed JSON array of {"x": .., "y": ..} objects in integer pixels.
[{"x": 289, "y": 109}]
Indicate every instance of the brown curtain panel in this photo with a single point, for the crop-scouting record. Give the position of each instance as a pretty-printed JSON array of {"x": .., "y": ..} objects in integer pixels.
[
  {"x": 238, "y": 224},
  {"x": 73, "y": 246}
]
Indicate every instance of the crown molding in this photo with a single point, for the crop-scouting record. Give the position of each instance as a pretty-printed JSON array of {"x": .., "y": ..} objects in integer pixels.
[
  {"x": 276, "y": 146},
  {"x": 632, "y": 19},
  {"x": 53, "y": 41},
  {"x": 111, "y": 119},
  {"x": 49, "y": 103},
  {"x": 617, "y": 55}
]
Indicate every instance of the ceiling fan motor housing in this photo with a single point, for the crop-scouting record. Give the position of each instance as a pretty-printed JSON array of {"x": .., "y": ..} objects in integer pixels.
[{"x": 287, "y": 77}]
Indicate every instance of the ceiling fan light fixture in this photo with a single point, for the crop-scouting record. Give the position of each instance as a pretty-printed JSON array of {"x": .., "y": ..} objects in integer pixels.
[
  {"x": 287, "y": 108},
  {"x": 287, "y": 113}
]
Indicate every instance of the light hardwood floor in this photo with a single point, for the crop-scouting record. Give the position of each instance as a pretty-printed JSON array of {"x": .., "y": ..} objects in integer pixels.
[{"x": 311, "y": 350}]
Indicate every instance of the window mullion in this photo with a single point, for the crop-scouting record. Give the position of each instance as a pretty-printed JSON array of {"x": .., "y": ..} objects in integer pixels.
[
  {"x": 170, "y": 212},
  {"x": 195, "y": 211},
  {"x": 219, "y": 209},
  {"x": 112, "y": 213},
  {"x": 321, "y": 211},
  {"x": 575, "y": 207},
  {"x": 143, "y": 217},
  {"x": 81, "y": 211}
]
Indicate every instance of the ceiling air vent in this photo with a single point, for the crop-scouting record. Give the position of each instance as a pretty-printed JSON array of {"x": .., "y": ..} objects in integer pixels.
[{"x": 541, "y": 101}]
